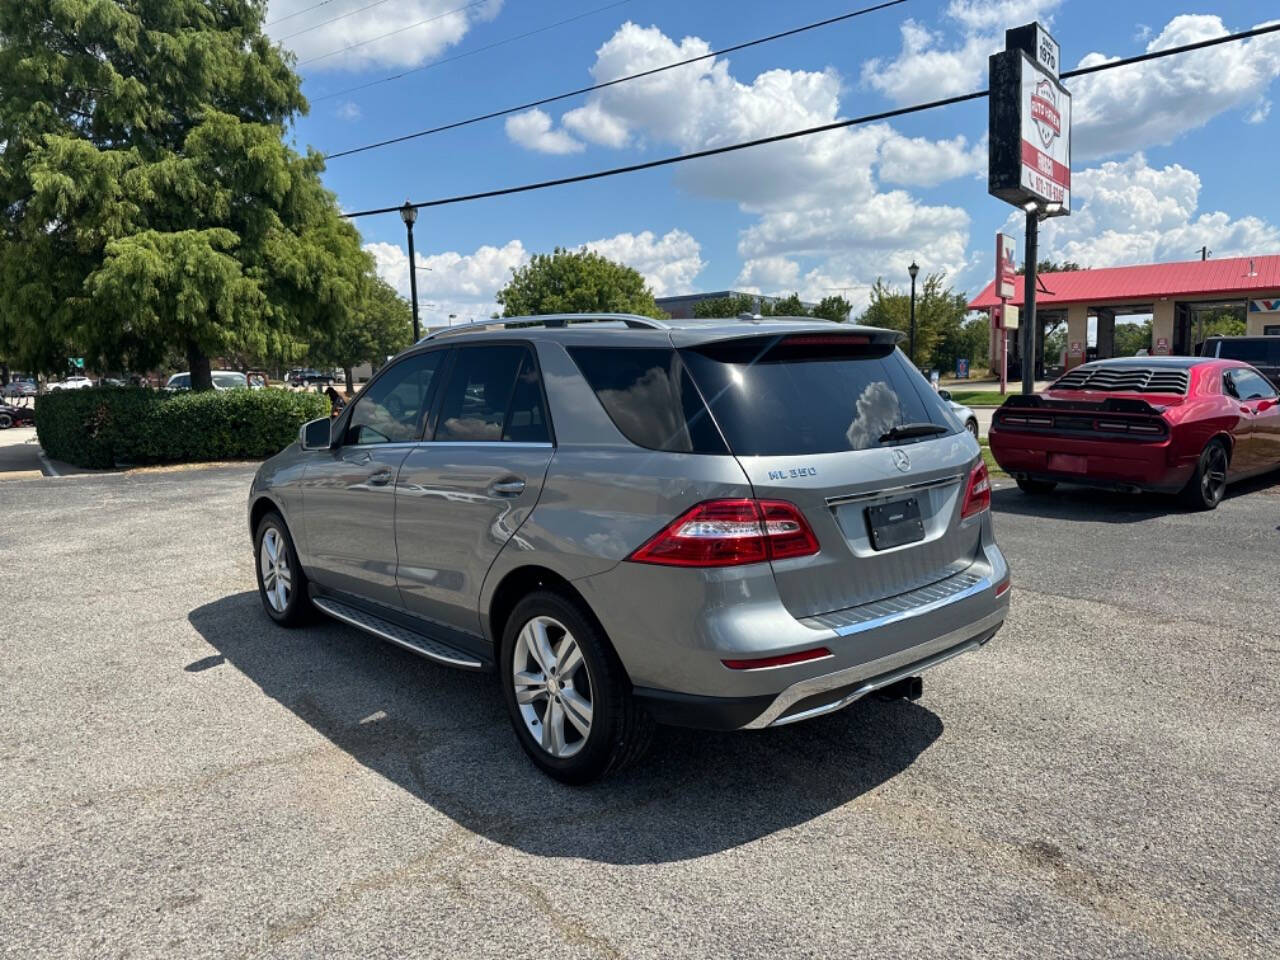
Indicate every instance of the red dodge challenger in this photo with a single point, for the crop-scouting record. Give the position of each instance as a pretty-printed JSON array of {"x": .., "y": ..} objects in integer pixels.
[{"x": 1187, "y": 425}]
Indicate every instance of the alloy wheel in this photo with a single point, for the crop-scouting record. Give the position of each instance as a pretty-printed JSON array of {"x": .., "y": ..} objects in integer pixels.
[
  {"x": 552, "y": 686},
  {"x": 1213, "y": 480},
  {"x": 277, "y": 578}
]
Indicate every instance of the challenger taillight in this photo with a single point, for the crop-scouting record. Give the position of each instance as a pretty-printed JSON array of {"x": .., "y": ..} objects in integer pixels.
[
  {"x": 725, "y": 533},
  {"x": 977, "y": 495}
]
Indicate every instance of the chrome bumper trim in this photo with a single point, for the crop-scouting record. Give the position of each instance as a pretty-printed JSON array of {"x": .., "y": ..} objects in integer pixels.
[{"x": 878, "y": 673}]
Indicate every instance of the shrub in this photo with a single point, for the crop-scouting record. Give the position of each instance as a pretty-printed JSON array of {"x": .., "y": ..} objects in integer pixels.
[{"x": 109, "y": 426}]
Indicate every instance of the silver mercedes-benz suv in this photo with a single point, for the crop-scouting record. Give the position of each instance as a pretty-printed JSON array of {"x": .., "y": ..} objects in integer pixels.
[{"x": 729, "y": 524}]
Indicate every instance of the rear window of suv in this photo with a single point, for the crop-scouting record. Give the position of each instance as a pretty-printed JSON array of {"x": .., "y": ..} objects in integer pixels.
[
  {"x": 1263, "y": 351},
  {"x": 812, "y": 394},
  {"x": 649, "y": 397}
]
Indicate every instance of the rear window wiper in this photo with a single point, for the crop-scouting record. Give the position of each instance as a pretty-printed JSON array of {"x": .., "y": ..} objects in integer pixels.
[{"x": 908, "y": 430}]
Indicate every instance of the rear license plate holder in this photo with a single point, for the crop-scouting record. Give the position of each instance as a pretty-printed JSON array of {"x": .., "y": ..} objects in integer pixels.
[
  {"x": 1068, "y": 463},
  {"x": 895, "y": 523}
]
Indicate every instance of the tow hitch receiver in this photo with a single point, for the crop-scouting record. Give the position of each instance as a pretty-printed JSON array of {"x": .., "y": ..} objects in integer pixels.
[{"x": 908, "y": 688}]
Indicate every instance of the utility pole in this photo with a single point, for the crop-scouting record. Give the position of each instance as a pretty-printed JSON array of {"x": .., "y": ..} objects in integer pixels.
[
  {"x": 1204, "y": 253},
  {"x": 409, "y": 214}
]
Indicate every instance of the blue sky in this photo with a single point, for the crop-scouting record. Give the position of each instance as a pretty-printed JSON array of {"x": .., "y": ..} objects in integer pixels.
[{"x": 1167, "y": 156}]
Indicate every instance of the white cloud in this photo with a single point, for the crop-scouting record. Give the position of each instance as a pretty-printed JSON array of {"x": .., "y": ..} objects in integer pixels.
[
  {"x": 1130, "y": 212},
  {"x": 1260, "y": 112},
  {"x": 466, "y": 284},
  {"x": 668, "y": 263},
  {"x": 1154, "y": 103},
  {"x": 348, "y": 111},
  {"x": 917, "y": 161},
  {"x": 452, "y": 283},
  {"x": 925, "y": 69},
  {"x": 405, "y": 33},
  {"x": 817, "y": 200},
  {"x": 533, "y": 130},
  {"x": 592, "y": 122}
]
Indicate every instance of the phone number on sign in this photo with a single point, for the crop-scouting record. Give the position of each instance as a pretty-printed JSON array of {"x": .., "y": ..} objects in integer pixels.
[{"x": 1042, "y": 186}]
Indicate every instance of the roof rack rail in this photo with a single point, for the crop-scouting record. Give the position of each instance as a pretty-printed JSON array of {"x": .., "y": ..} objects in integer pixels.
[
  {"x": 760, "y": 318},
  {"x": 551, "y": 321}
]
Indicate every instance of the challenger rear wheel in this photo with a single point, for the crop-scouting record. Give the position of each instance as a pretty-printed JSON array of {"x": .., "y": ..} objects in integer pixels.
[{"x": 1208, "y": 485}]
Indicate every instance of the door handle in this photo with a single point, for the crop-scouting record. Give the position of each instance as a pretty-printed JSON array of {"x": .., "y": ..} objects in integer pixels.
[
  {"x": 381, "y": 478},
  {"x": 507, "y": 488}
]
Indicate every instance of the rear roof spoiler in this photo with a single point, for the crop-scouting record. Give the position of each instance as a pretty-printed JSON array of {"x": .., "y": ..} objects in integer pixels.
[{"x": 1109, "y": 405}]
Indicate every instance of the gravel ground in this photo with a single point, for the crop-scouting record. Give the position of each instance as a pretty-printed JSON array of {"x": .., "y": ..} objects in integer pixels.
[{"x": 179, "y": 778}]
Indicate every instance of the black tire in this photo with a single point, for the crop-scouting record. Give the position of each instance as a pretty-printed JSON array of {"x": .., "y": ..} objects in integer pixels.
[
  {"x": 972, "y": 426},
  {"x": 297, "y": 609},
  {"x": 1027, "y": 485},
  {"x": 6, "y": 421},
  {"x": 1208, "y": 484},
  {"x": 620, "y": 729}
]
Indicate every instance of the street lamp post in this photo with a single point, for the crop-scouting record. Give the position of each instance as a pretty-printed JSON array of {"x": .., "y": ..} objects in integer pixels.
[
  {"x": 409, "y": 213},
  {"x": 911, "y": 343}
]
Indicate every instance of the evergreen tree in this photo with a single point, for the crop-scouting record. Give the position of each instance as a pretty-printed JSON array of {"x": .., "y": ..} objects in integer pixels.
[{"x": 148, "y": 201}]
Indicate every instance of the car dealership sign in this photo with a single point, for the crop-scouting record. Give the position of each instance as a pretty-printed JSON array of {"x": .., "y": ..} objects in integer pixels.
[{"x": 1030, "y": 123}]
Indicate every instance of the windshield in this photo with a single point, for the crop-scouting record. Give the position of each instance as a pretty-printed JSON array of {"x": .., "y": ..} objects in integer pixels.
[
  {"x": 229, "y": 381},
  {"x": 815, "y": 394}
]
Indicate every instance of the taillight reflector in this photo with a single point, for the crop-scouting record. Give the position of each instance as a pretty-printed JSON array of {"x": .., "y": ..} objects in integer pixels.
[
  {"x": 977, "y": 495},
  {"x": 724, "y": 533},
  {"x": 786, "y": 659}
]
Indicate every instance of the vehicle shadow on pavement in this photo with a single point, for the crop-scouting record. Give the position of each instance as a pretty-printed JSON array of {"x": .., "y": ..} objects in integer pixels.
[
  {"x": 1096, "y": 505},
  {"x": 443, "y": 735}
]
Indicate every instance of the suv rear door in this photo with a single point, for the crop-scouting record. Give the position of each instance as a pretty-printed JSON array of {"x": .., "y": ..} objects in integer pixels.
[
  {"x": 463, "y": 492},
  {"x": 812, "y": 418}
]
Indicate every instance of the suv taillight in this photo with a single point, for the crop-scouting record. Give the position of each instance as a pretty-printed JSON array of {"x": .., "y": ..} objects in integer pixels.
[
  {"x": 977, "y": 496},
  {"x": 725, "y": 533}
]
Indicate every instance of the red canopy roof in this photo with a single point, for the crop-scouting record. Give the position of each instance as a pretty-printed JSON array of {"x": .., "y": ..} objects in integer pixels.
[{"x": 1190, "y": 278}]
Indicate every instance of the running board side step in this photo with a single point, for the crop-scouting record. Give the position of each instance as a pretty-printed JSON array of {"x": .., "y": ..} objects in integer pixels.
[{"x": 401, "y": 636}]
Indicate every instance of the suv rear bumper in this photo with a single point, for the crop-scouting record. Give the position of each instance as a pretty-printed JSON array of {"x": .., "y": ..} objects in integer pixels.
[
  {"x": 674, "y": 643},
  {"x": 818, "y": 695}
]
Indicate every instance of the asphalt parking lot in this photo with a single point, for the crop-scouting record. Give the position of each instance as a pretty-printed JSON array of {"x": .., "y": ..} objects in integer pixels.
[{"x": 179, "y": 778}]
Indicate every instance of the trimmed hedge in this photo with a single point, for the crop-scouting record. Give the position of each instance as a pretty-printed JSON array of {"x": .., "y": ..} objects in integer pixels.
[{"x": 111, "y": 426}]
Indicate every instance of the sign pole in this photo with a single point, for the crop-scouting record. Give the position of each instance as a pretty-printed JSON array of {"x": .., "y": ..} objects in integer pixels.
[
  {"x": 1004, "y": 350},
  {"x": 1028, "y": 320}
]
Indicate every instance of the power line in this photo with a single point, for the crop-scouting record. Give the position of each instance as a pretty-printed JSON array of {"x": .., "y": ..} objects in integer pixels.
[
  {"x": 808, "y": 131},
  {"x": 609, "y": 83},
  {"x": 391, "y": 33},
  {"x": 469, "y": 53},
  {"x": 352, "y": 13},
  {"x": 298, "y": 13}
]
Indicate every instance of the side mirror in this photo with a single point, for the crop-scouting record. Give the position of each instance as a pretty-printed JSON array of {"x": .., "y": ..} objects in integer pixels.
[
  {"x": 945, "y": 394},
  {"x": 316, "y": 434}
]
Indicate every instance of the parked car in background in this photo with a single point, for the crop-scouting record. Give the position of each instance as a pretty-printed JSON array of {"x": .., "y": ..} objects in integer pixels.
[
  {"x": 1186, "y": 425},
  {"x": 19, "y": 388},
  {"x": 222, "y": 380},
  {"x": 70, "y": 383},
  {"x": 963, "y": 413},
  {"x": 309, "y": 378},
  {"x": 11, "y": 416},
  {"x": 729, "y": 524},
  {"x": 1260, "y": 352}
]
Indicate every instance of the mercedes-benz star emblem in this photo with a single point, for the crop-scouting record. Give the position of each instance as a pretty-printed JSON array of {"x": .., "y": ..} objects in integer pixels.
[{"x": 901, "y": 460}]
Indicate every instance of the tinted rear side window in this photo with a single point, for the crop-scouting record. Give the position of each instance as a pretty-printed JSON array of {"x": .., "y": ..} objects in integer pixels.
[
  {"x": 1265, "y": 352},
  {"x": 649, "y": 396},
  {"x": 806, "y": 395}
]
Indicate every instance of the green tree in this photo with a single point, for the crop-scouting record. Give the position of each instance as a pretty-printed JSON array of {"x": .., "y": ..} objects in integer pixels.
[
  {"x": 788, "y": 306},
  {"x": 835, "y": 308},
  {"x": 1130, "y": 338},
  {"x": 725, "y": 306},
  {"x": 940, "y": 314},
  {"x": 576, "y": 281},
  {"x": 1053, "y": 266},
  {"x": 148, "y": 201},
  {"x": 380, "y": 325}
]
